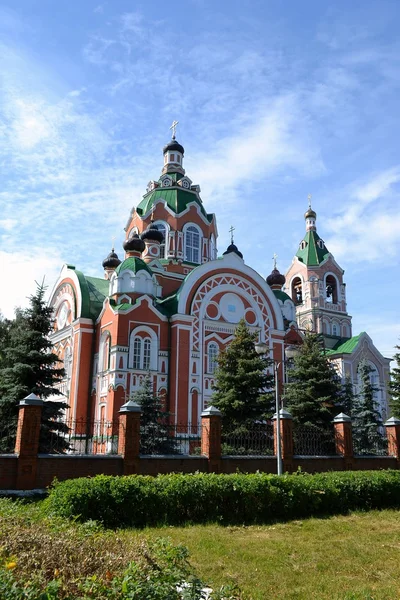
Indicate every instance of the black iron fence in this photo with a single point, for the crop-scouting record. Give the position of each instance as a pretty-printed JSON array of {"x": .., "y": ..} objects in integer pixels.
[
  {"x": 8, "y": 431},
  {"x": 309, "y": 440},
  {"x": 170, "y": 439},
  {"x": 373, "y": 443},
  {"x": 255, "y": 440},
  {"x": 85, "y": 437}
]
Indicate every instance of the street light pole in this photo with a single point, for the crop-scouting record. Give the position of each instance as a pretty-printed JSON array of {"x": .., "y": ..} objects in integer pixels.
[{"x": 279, "y": 465}]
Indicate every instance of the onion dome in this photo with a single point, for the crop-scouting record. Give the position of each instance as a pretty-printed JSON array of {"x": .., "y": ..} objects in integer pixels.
[
  {"x": 112, "y": 261},
  {"x": 233, "y": 248},
  {"x": 310, "y": 214},
  {"x": 134, "y": 244},
  {"x": 276, "y": 278},
  {"x": 152, "y": 234},
  {"x": 172, "y": 146}
]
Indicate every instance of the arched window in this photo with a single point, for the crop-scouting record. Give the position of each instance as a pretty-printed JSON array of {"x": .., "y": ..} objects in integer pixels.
[
  {"x": 335, "y": 329},
  {"x": 297, "y": 290},
  {"x": 141, "y": 353},
  {"x": 212, "y": 357},
  {"x": 331, "y": 289},
  {"x": 192, "y": 244},
  {"x": 105, "y": 352},
  {"x": 163, "y": 227}
]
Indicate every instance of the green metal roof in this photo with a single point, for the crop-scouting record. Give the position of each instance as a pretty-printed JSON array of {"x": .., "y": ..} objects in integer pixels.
[
  {"x": 312, "y": 254},
  {"x": 134, "y": 264},
  {"x": 345, "y": 345},
  {"x": 177, "y": 200},
  {"x": 168, "y": 306},
  {"x": 123, "y": 306},
  {"x": 93, "y": 291},
  {"x": 283, "y": 296}
]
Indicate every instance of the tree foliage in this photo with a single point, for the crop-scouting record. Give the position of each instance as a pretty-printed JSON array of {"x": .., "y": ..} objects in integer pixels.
[
  {"x": 243, "y": 389},
  {"x": 394, "y": 386},
  {"x": 28, "y": 365},
  {"x": 155, "y": 431},
  {"x": 367, "y": 436},
  {"x": 347, "y": 396},
  {"x": 312, "y": 395}
]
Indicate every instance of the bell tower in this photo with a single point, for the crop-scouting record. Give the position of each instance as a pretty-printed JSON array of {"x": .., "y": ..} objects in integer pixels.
[{"x": 315, "y": 283}]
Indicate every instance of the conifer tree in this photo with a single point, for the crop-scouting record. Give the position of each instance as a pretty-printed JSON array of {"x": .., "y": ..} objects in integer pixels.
[
  {"x": 313, "y": 394},
  {"x": 347, "y": 396},
  {"x": 28, "y": 366},
  {"x": 366, "y": 418},
  {"x": 394, "y": 386},
  {"x": 155, "y": 435},
  {"x": 243, "y": 389}
]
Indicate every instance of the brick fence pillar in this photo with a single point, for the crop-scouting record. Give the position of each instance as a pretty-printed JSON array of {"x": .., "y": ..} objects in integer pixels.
[
  {"x": 344, "y": 438},
  {"x": 211, "y": 438},
  {"x": 392, "y": 426},
  {"x": 286, "y": 430},
  {"x": 129, "y": 437},
  {"x": 27, "y": 441}
]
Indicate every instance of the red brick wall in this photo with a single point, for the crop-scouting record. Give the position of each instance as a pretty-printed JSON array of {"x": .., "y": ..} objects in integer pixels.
[
  {"x": 71, "y": 467},
  {"x": 8, "y": 472}
]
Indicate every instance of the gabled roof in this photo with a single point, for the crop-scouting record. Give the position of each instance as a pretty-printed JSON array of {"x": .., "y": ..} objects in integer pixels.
[
  {"x": 345, "y": 345},
  {"x": 312, "y": 254},
  {"x": 177, "y": 200}
]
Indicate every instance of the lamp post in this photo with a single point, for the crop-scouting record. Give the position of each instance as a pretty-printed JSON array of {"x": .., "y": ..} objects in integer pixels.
[{"x": 290, "y": 352}]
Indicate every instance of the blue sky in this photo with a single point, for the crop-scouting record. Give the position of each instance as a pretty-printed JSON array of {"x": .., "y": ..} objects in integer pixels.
[{"x": 275, "y": 100}]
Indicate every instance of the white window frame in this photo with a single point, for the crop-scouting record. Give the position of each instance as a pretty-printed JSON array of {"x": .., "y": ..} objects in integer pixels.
[
  {"x": 211, "y": 357},
  {"x": 143, "y": 349},
  {"x": 189, "y": 256},
  {"x": 164, "y": 245}
]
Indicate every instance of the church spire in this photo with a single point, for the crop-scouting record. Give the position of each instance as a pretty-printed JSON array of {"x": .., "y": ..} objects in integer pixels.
[{"x": 310, "y": 216}]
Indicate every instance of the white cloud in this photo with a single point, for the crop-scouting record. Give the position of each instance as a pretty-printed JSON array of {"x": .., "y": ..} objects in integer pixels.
[{"x": 368, "y": 227}]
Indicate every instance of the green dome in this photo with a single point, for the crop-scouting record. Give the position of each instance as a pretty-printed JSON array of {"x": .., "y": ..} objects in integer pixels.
[{"x": 134, "y": 264}]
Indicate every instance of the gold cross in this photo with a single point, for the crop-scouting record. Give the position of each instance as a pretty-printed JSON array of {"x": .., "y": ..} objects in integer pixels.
[
  {"x": 232, "y": 229},
  {"x": 274, "y": 257},
  {"x": 173, "y": 127}
]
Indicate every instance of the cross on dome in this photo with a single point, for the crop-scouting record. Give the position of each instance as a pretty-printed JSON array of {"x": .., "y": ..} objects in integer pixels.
[
  {"x": 309, "y": 200},
  {"x": 274, "y": 257},
  {"x": 173, "y": 127},
  {"x": 231, "y": 230}
]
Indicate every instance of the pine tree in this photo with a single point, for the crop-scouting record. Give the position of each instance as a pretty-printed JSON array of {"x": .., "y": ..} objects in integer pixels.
[
  {"x": 155, "y": 432},
  {"x": 366, "y": 418},
  {"x": 394, "y": 386},
  {"x": 313, "y": 394},
  {"x": 243, "y": 389},
  {"x": 28, "y": 366}
]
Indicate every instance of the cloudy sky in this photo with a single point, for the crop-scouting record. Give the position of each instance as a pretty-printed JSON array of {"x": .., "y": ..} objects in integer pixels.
[{"x": 275, "y": 100}]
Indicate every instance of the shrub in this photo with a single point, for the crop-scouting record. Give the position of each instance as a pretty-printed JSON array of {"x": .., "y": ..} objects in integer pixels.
[{"x": 139, "y": 501}]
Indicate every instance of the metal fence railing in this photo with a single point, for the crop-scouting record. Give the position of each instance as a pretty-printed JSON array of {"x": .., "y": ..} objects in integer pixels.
[
  {"x": 256, "y": 440},
  {"x": 311, "y": 441},
  {"x": 8, "y": 431},
  {"x": 374, "y": 444},
  {"x": 84, "y": 437},
  {"x": 170, "y": 439}
]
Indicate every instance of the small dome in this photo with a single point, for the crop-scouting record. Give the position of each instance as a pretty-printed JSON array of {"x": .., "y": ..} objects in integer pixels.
[
  {"x": 173, "y": 145},
  {"x": 276, "y": 278},
  {"x": 153, "y": 234},
  {"x": 134, "y": 243},
  {"x": 233, "y": 248},
  {"x": 310, "y": 214},
  {"x": 112, "y": 261}
]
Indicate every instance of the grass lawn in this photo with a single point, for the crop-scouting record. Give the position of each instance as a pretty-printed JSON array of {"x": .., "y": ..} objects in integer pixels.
[{"x": 347, "y": 557}]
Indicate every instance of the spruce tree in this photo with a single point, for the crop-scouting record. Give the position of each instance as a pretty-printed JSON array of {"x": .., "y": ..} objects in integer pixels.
[
  {"x": 313, "y": 394},
  {"x": 394, "y": 386},
  {"x": 28, "y": 366},
  {"x": 155, "y": 432},
  {"x": 243, "y": 388},
  {"x": 347, "y": 396},
  {"x": 367, "y": 421}
]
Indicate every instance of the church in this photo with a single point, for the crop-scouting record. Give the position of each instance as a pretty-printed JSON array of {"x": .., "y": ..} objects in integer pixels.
[{"x": 170, "y": 304}]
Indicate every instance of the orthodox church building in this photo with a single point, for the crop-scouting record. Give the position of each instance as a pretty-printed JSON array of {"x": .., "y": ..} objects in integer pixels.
[{"x": 170, "y": 304}]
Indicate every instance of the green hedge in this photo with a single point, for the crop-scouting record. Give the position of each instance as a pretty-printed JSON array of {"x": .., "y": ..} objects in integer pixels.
[{"x": 139, "y": 501}]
